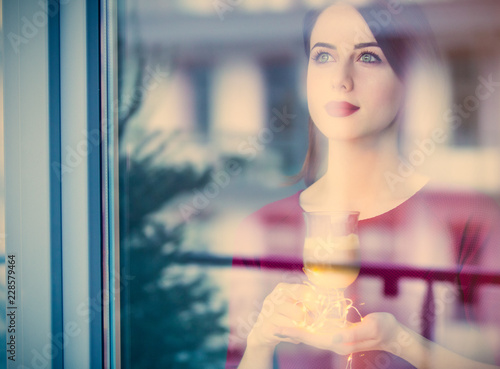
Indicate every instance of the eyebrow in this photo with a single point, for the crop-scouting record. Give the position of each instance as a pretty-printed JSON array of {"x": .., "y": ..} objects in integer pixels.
[{"x": 357, "y": 46}]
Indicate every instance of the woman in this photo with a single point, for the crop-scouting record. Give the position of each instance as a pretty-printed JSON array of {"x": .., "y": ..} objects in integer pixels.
[{"x": 358, "y": 64}]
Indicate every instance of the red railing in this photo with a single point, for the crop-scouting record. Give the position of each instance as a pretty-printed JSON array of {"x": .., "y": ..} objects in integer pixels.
[
  {"x": 389, "y": 273},
  {"x": 393, "y": 274}
]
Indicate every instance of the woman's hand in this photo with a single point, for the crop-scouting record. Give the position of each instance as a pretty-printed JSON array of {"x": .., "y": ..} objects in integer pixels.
[
  {"x": 282, "y": 309},
  {"x": 381, "y": 331},
  {"x": 377, "y": 331},
  {"x": 285, "y": 317}
]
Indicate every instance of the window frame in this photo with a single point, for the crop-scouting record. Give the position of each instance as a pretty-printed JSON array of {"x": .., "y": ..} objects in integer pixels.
[{"x": 55, "y": 173}]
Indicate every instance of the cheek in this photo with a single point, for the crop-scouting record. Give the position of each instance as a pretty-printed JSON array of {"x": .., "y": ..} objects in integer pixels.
[
  {"x": 385, "y": 94},
  {"x": 392, "y": 93},
  {"x": 314, "y": 88},
  {"x": 313, "y": 82}
]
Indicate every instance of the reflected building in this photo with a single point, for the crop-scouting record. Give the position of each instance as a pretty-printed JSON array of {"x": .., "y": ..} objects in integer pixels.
[{"x": 231, "y": 65}]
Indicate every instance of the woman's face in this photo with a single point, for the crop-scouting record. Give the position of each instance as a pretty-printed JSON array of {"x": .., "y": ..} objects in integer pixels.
[{"x": 352, "y": 91}]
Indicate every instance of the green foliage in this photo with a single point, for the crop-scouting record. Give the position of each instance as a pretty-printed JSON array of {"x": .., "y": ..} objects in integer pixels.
[{"x": 167, "y": 318}]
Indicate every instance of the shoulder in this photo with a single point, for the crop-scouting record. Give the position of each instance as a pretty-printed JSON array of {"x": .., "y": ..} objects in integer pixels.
[{"x": 465, "y": 203}]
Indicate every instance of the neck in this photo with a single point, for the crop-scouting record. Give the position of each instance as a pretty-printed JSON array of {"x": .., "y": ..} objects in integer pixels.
[{"x": 356, "y": 169}]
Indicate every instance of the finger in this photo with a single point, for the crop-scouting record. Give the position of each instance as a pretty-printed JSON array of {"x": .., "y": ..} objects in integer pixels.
[
  {"x": 339, "y": 341},
  {"x": 358, "y": 332},
  {"x": 297, "y": 292},
  {"x": 287, "y": 339},
  {"x": 357, "y": 337},
  {"x": 303, "y": 335},
  {"x": 274, "y": 326},
  {"x": 280, "y": 324},
  {"x": 295, "y": 311},
  {"x": 291, "y": 308},
  {"x": 279, "y": 321},
  {"x": 266, "y": 329},
  {"x": 281, "y": 294}
]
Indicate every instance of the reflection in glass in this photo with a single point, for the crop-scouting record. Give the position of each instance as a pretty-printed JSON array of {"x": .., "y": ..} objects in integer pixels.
[
  {"x": 203, "y": 144},
  {"x": 331, "y": 263}
]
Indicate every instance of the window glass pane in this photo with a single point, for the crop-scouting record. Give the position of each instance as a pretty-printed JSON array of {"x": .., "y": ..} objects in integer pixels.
[
  {"x": 195, "y": 112},
  {"x": 213, "y": 125}
]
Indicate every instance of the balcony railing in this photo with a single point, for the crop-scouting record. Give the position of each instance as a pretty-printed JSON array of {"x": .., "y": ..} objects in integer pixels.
[{"x": 389, "y": 273}]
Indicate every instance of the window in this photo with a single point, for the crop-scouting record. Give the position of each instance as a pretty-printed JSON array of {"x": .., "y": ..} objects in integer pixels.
[
  {"x": 201, "y": 129},
  {"x": 136, "y": 137},
  {"x": 198, "y": 151}
]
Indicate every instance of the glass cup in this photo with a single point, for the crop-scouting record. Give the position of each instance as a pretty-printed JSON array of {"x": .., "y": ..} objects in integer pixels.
[{"x": 331, "y": 262}]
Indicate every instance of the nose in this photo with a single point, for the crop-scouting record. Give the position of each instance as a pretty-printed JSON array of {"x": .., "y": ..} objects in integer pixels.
[{"x": 341, "y": 78}]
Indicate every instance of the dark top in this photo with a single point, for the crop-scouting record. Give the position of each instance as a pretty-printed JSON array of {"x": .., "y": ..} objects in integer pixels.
[{"x": 433, "y": 262}]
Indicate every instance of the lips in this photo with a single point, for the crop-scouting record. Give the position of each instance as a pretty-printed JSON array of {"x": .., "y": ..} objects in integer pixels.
[{"x": 340, "y": 108}]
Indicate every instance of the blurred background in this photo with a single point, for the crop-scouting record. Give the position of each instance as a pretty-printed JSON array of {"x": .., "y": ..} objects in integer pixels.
[{"x": 212, "y": 124}]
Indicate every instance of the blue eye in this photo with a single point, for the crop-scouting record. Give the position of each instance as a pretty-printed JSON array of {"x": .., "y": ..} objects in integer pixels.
[
  {"x": 322, "y": 57},
  {"x": 368, "y": 57}
]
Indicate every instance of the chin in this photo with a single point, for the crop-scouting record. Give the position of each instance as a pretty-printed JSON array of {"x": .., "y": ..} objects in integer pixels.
[
  {"x": 341, "y": 135},
  {"x": 340, "y": 128},
  {"x": 346, "y": 129}
]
